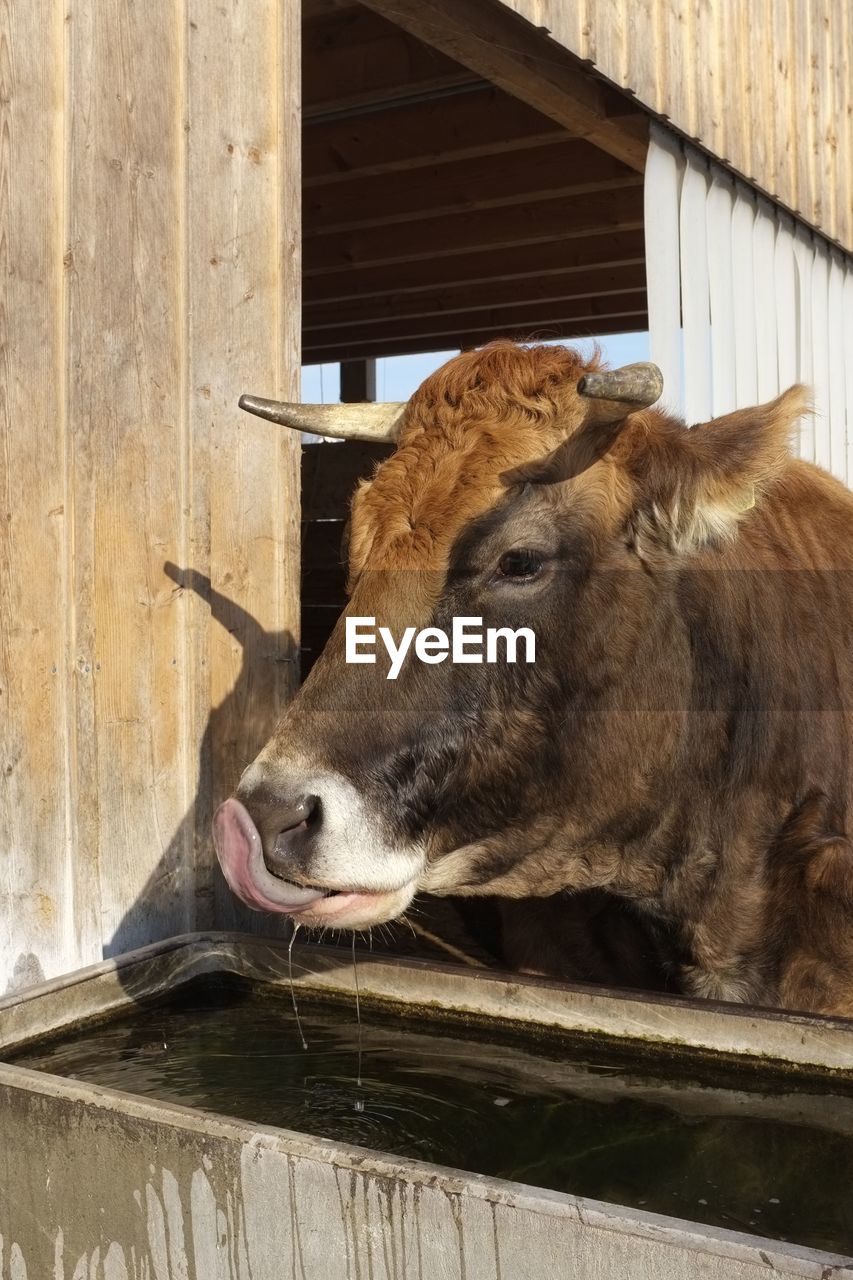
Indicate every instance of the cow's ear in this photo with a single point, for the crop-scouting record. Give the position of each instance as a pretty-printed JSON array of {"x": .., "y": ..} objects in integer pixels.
[{"x": 695, "y": 485}]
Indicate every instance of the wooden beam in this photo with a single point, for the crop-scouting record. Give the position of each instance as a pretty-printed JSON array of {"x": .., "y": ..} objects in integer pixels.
[
  {"x": 358, "y": 381},
  {"x": 473, "y": 122},
  {"x": 491, "y": 40},
  {"x": 477, "y": 268},
  {"x": 355, "y": 59},
  {"x": 569, "y": 168},
  {"x": 568, "y": 331},
  {"x": 597, "y": 282},
  {"x": 525, "y": 323},
  {"x": 515, "y": 318},
  {"x": 490, "y": 229}
]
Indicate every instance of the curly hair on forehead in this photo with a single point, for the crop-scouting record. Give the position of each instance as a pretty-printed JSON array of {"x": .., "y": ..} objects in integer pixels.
[{"x": 504, "y": 377}]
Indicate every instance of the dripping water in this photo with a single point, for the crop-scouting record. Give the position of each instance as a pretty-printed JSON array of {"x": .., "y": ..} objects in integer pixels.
[
  {"x": 296, "y": 928},
  {"x": 358, "y": 1105}
]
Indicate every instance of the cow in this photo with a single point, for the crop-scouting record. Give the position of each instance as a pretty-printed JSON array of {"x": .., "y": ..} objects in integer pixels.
[{"x": 677, "y": 755}]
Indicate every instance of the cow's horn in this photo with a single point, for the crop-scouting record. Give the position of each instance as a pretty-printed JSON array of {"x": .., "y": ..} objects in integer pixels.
[
  {"x": 634, "y": 386},
  {"x": 377, "y": 422}
]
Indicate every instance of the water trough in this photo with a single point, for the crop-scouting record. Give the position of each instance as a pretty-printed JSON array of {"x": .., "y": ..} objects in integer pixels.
[{"x": 120, "y": 1183}]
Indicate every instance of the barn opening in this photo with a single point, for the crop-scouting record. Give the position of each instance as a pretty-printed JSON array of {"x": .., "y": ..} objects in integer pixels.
[
  {"x": 459, "y": 184},
  {"x": 465, "y": 177}
]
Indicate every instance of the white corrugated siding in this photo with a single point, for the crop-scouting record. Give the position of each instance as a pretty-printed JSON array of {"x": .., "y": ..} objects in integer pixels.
[{"x": 744, "y": 301}]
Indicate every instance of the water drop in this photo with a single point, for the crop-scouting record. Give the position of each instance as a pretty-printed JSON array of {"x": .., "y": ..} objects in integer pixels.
[
  {"x": 358, "y": 1018},
  {"x": 296, "y": 928}
]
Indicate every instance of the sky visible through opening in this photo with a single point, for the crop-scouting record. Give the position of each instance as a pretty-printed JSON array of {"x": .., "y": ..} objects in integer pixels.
[{"x": 398, "y": 376}]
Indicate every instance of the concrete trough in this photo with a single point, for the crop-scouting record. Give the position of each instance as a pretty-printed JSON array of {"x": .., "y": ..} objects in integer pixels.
[{"x": 96, "y": 1184}]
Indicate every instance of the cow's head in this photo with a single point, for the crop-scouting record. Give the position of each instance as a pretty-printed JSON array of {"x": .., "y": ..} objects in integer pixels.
[{"x": 514, "y": 498}]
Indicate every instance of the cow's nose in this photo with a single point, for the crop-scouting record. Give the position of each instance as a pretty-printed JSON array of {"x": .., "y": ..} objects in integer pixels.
[{"x": 293, "y": 825}]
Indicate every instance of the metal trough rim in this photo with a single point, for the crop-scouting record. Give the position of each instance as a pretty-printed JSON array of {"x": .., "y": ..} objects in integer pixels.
[
  {"x": 106, "y": 987},
  {"x": 798, "y": 1040}
]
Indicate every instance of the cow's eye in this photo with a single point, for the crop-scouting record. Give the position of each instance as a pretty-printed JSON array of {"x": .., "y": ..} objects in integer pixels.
[{"x": 519, "y": 564}]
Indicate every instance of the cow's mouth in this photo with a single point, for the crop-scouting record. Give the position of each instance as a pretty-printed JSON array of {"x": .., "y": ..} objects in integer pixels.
[{"x": 240, "y": 852}]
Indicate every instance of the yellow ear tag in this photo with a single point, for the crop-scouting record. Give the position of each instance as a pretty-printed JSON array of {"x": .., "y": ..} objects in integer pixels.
[{"x": 750, "y": 502}]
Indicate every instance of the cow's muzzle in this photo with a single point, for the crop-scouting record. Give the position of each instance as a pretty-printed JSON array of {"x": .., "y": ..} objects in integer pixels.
[
  {"x": 304, "y": 843},
  {"x": 241, "y": 856}
]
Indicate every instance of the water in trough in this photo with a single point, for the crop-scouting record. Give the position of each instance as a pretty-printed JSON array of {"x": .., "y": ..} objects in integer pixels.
[{"x": 699, "y": 1139}]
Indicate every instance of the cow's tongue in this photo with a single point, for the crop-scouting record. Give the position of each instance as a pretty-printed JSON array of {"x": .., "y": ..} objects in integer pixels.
[{"x": 240, "y": 853}]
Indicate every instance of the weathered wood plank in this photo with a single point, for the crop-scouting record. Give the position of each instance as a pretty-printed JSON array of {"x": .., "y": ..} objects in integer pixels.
[
  {"x": 149, "y": 257},
  {"x": 785, "y": 130},
  {"x": 828, "y": 113},
  {"x": 709, "y": 36},
  {"x": 803, "y": 80},
  {"x": 841, "y": 42},
  {"x": 129, "y": 863},
  {"x": 605, "y": 31},
  {"x": 645, "y": 51},
  {"x": 571, "y": 24},
  {"x": 766, "y": 88},
  {"x": 36, "y": 908},
  {"x": 243, "y": 167}
]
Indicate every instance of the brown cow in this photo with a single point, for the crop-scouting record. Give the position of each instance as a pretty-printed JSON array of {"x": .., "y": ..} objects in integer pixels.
[{"x": 681, "y": 741}]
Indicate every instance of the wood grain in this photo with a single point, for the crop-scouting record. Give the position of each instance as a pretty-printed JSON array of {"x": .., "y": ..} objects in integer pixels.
[
  {"x": 36, "y": 911},
  {"x": 766, "y": 87},
  {"x": 243, "y": 176},
  {"x": 127, "y": 472},
  {"x": 149, "y": 534}
]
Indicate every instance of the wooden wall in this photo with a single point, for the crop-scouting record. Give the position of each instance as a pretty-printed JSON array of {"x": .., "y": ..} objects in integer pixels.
[
  {"x": 765, "y": 85},
  {"x": 149, "y": 531}
]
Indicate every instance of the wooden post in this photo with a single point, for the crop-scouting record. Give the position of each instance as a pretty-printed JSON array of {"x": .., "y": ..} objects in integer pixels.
[{"x": 358, "y": 380}]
